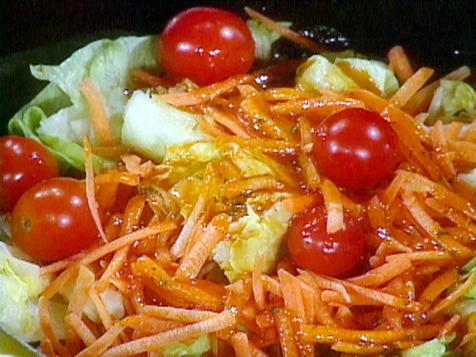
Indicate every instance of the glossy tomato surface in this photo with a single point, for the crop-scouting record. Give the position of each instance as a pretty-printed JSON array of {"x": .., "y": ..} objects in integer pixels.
[
  {"x": 312, "y": 248},
  {"x": 52, "y": 220},
  {"x": 23, "y": 163},
  {"x": 206, "y": 45},
  {"x": 356, "y": 148}
]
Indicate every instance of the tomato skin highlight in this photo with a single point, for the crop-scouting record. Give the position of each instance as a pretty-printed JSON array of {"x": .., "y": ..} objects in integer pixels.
[
  {"x": 356, "y": 148},
  {"x": 52, "y": 220},
  {"x": 206, "y": 45},
  {"x": 312, "y": 248},
  {"x": 23, "y": 163}
]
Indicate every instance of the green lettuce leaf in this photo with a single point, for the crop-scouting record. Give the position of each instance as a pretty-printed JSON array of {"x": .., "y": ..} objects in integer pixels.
[
  {"x": 59, "y": 117},
  {"x": 21, "y": 284},
  {"x": 251, "y": 235},
  {"x": 264, "y": 38},
  {"x": 434, "y": 348},
  {"x": 150, "y": 125},
  {"x": 453, "y": 100},
  {"x": 319, "y": 73},
  {"x": 195, "y": 348},
  {"x": 377, "y": 73}
]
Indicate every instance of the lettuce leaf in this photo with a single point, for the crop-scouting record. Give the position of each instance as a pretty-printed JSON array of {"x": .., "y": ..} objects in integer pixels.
[
  {"x": 319, "y": 73},
  {"x": 251, "y": 235},
  {"x": 195, "y": 348},
  {"x": 453, "y": 100},
  {"x": 370, "y": 74},
  {"x": 21, "y": 284},
  {"x": 59, "y": 117},
  {"x": 434, "y": 348},
  {"x": 264, "y": 38},
  {"x": 150, "y": 125}
]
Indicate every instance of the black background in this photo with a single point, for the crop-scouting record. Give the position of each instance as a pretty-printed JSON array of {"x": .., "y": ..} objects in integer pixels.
[{"x": 437, "y": 33}]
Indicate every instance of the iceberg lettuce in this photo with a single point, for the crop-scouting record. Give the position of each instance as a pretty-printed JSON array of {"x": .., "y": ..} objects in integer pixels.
[
  {"x": 20, "y": 287},
  {"x": 437, "y": 347},
  {"x": 195, "y": 348},
  {"x": 251, "y": 235},
  {"x": 264, "y": 38},
  {"x": 59, "y": 117},
  {"x": 150, "y": 125},
  {"x": 453, "y": 100}
]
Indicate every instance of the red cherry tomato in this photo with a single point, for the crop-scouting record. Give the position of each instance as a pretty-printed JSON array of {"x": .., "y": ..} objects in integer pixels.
[
  {"x": 206, "y": 45},
  {"x": 356, "y": 148},
  {"x": 52, "y": 220},
  {"x": 23, "y": 163},
  {"x": 312, "y": 248}
]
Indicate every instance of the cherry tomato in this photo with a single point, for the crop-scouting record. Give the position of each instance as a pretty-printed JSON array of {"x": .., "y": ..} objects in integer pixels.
[
  {"x": 23, "y": 163},
  {"x": 312, "y": 248},
  {"x": 52, "y": 220},
  {"x": 356, "y": 148},
  {"x": 206, "y": 45}
]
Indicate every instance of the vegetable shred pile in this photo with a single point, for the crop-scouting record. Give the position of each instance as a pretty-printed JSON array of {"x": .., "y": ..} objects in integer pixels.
[{"x": 238, "y": 217}]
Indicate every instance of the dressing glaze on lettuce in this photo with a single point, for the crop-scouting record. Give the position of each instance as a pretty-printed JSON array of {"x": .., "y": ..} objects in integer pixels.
[{"x": 58, "y": 116}]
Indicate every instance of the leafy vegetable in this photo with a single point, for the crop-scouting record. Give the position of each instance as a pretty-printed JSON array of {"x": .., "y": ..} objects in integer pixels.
[
  {"x": 252, "y": 235},
  {"x": 434, "y": 348},
  {"x": 453, "y": 100},
  {"x": 21, "y": 284},
  {"x": 371, "y": 74},
  {"x": 195, "y": 348},
  {"x": 264, "y": 38},
  {"x": 10, "y": 347},
  {"x": 150, "y": 125},
  {"x": 319, "y": 73},
  {"x": 58, "y": 116}
]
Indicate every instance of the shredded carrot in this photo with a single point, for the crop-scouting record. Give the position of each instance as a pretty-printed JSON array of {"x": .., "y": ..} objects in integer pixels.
[
  {"x": 356, "y": 349},
  {"x": 331, "y": 335},
  {"x": 257, "y": 281},
  {"x": 60, "y": 281},
  {"x": 103, "y": 313},
  {"x": 79, "y": 298},
  {"x": 148, "y": 78},
  {"x": 173, "y": 313},
  {"x": 97, "y": 112},
  {"x": 241, "y": 345},
  {"x": 81, "y": 329},
  {"x": 449, "y": 326},
  {"x": 189, "y": 227},
  {"x": 47, "y": 326},
  {"x": 384, "y": 273},
  {"x": 246, "y": 186},
  {"x": 292, "y": 295},
  {"x": 411, "y": 86},
  {"x": 399, "y": 63},
  {"x": 284, "y": 31},
  {"x": 93, "y": 206},
  {"x": 213, "y": 324},
  {"x": 333, "y": 203},
  {"x": 454, "y": 296},
  {"x": 102, "y": 343},
  {"x": 196, "y": 257},
  {"x": 287, "y": 337},
  {"x": 228, "y": 121}
]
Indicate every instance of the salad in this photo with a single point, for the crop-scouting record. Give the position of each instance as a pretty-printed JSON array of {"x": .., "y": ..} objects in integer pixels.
[{"x": 184, "y": 195}]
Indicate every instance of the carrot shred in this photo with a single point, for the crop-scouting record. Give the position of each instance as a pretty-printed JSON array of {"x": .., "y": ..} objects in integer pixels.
[
  {"x": 257, "y": 281},
  {"x": 173, "y": 313},
  {"x": 334, "y": 208},
  {"x": 99, "y": 346},
  {"x": 97, "y": 112},
  {"x": 399, "y": 63},
  {"x": 384, "y": 273},
  {"x": 47, "y": 326},
  {"x": 90, "y": 192},
  {"x": 151, "y": 343},
  {"x": 331, "y": 335},
  {"x": 241, "y": 345},
  {"x": 81, "y": 329},
  {"x": 411, "y": 86},
  {"x": 246, "y": 186},
  {"x": 228, "y": 121},
  {"x": 287, "y": 338},
  {"x": 103, "y": 313},
  {"x": 356, "y": 349},
  {"x": 284, "y": 31},
  {"x": 195, "y": 258},
  {"x": 449, "y": 326},
  {"x": 454, "y": 296},
  {"x": 61, "y": 280},
  {"x": 189, "y": 227},
  {"x": 292, "y": 295}
]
